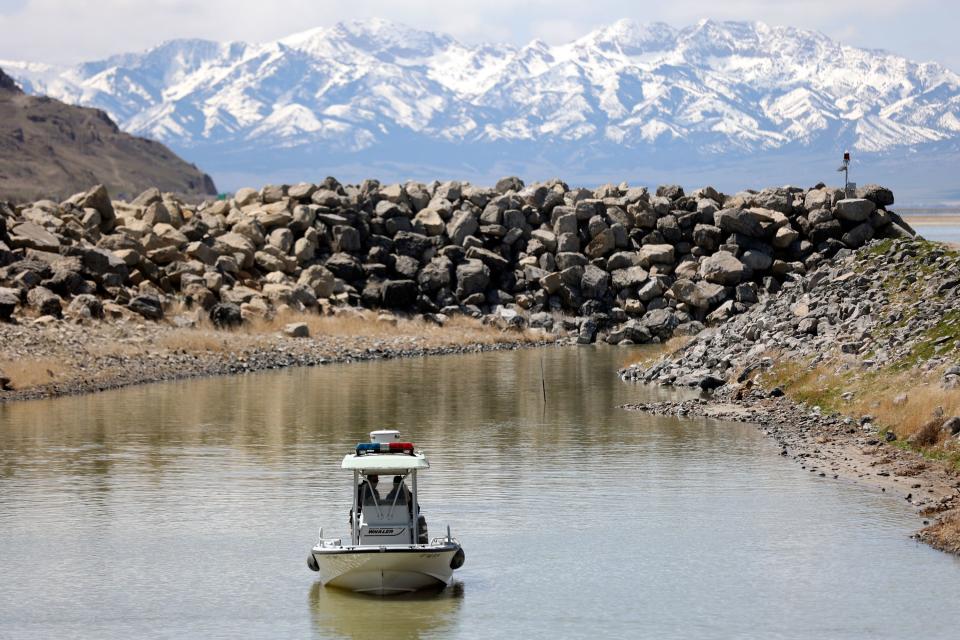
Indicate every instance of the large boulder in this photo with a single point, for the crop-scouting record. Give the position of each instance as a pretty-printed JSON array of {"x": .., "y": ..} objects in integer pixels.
[
  {"x": 854, "y": 209},
  {"x": 98, "y": 198},
  {"x": 743, "y": 221},
  {"x": 345, "y": 267},
  {"x": 435, "y": 275},
  {"x": 147, "y": 306},
  {"x": 461, "y": 225},
  {"x": 722, "y": 268},
  {"x": 318, "y": 279},
  {"x": 9, "y": 299},
  {"x": 858, "y": 236},
  {"x": 660, "y": 322},
  {"x": 399, "y": 294},
  {"x": 602, "y": 244},
  {"x": 85, "y": 306},
  {"x": 226, "y": 315},
  {"x": 655, "y": 253},
  {"x": 29, "y": 235},
  {"x": 594, "y": 282},
  {"x": 472, "y": 277},
  {"x": 880, "y": 196},
  {"x": 629, "y": 277},
  {"x": 45, "y": 301},
  {"x": 700, "y": 295}
]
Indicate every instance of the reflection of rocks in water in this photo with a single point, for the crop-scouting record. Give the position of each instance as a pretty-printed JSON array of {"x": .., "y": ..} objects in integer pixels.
[{"x": 344, "y": 614}]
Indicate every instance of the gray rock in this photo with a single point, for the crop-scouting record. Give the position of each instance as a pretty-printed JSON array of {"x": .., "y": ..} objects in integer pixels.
[
  {"x": 722, "y": 268},
  {"x": 630, "y": 277},
  {"x": 319, "y": 279},
  {"x": 671, "y": 191},
  {"x": 854, "y": 209},
  {"x": 473, "y": 276},
  {"x": 755, "y": 260},
  {"x": 880, "y": 196},
  {"x": 45, "y": 302},
  {"x": 345, "y": 267},
  {"x": 297, "y": 330},
  {"x": 649, "y": 290},
  {"x": 660, "y": 322},
  {"x": 508, "y": 184},
  {"x": 565, "y": 260},
  {"x": 226, "y": 315},
  {"x": 85, "y": 306},
  {"x": 28, "y": 235},
  {"x": 461, "y": 225},
  {"x": 601, "y": 245},
  {"x": 858, "y": 236},
  {"x": 594, "y": 282},
  {"x": 784, "y": 236},
  {"x": 147, "y": 306},
  {"x": 9, "y": 299},
  {"x": 435, "y": 275},
  {"x": 655, "y": 253},
  {"x": 399, "y": 294},
  {"x": 739, "y": 221},
  {"x": 707, "y": 236},
  {"x": 701, "y": 295}
]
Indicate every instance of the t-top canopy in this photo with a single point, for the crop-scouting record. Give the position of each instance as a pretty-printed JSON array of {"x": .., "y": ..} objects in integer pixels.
[{"x": 384, "y": 462}]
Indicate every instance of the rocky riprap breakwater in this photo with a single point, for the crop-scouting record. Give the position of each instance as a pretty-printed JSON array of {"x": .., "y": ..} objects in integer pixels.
[
  {"x": 889, "y": 307},
  {"x": 623, "y": 263}
]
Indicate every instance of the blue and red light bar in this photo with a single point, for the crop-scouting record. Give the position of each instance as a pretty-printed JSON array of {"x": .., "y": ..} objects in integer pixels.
[{"x": 384, "y": 447}]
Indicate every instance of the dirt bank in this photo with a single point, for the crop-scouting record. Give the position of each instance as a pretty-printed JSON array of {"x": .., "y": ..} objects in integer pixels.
[{"x": 54, "y": 358}]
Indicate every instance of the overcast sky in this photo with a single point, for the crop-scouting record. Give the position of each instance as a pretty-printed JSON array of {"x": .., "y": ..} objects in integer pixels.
[{"x": 69, "y": 31}]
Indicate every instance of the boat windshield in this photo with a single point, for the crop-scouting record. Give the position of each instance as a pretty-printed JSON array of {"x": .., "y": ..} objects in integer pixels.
[{"x": 395, "y": 501}]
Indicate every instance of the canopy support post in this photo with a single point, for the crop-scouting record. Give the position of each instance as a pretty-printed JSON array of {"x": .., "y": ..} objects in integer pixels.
[
  {"x": 354, "y": 516},
  {"x": 413, "y": 509}
]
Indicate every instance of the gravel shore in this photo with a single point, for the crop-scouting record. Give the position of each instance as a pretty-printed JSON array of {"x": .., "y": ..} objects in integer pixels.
[
  {"x": 854, "y": 368},
  {"x": 52, "y": 359},
  {"x": 836, "y": 447}
]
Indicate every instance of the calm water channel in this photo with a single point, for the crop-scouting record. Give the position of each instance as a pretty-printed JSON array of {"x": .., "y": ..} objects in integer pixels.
[{"x": 186, "y": 510}]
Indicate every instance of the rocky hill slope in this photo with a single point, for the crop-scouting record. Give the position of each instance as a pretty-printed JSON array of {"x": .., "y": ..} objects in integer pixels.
[
  {"x": 376, "y": 91},
  {"x": 619, "y": 263},
  {"x": 51, "y": 149}
]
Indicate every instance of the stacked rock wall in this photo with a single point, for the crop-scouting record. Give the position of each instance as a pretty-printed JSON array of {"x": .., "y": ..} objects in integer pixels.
[{"x": 619, "y": 262}]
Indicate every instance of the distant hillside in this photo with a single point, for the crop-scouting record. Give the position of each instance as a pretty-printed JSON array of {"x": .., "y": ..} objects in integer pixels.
[{"x": 51, "y": 149}]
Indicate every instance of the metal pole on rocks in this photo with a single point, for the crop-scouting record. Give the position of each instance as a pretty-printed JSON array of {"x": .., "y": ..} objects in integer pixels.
[{"x": 849, "y": 189}]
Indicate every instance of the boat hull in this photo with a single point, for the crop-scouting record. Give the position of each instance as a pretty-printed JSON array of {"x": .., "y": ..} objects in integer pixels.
[{"x": 386, "y": 570}]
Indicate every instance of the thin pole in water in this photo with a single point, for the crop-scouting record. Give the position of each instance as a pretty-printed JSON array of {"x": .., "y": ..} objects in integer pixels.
[{"x": 543, "y": 382}]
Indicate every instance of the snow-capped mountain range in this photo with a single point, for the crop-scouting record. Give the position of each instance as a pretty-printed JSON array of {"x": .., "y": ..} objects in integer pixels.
[{"x": 379, "y": 97}]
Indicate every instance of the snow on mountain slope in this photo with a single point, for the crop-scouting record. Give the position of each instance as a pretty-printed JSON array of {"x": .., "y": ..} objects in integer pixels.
[{"x": 373, "y": 86}]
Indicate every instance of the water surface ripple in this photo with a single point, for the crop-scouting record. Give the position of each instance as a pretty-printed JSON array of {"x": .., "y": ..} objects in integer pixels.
[{"x": 186, "y": 510}]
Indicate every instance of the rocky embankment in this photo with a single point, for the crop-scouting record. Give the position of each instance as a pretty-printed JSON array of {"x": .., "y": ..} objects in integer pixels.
[
  {"x": 854, "y": 367},
  {"x": 620, "y": 263}
]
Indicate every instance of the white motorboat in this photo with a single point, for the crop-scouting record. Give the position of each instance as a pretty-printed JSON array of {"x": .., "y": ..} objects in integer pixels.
[{"x": 389, "y": 551}]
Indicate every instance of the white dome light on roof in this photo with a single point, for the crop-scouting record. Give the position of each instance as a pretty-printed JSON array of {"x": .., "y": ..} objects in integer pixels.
[{"x": 385, "y": 435}]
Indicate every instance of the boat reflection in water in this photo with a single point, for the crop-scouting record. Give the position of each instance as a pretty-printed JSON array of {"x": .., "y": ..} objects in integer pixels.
[{"x": 343, "y": 614}]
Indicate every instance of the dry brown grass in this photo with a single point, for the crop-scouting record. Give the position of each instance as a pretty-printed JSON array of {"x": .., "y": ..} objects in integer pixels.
[
  {"x": 652, "y": 352},
  {"x": 200, "y": 340},
  {"x": 457, "y": 329},
  {"x": 903, "y": 402},
  {"x": 359, "y": 326},
  {"x": 27, "y": 373}
]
